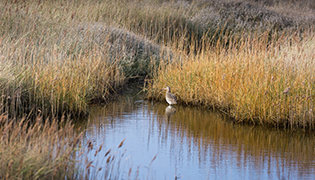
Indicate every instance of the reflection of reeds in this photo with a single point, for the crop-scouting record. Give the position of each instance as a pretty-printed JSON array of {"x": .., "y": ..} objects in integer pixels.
[
  {"x": 211, "y": 136},
  {"x": 249, "y": 82},
  {"x": 214, "y": 137}
]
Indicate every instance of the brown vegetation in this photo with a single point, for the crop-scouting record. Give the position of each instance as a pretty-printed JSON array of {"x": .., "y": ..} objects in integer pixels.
[
  {"x": 248, "y": 81},
  {"x": 37, "y": 150},
  {"x": 57, "y": 57}
]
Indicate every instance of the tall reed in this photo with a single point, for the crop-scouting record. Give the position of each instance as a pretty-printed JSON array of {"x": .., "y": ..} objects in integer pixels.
[
  {"x": 52, "y": 63},
  {"x": 57, "y": 57},
  {"x": 40, "y": 150},
  {"x": 252, "y": 81},
  {"x": 54, "y": 149}
]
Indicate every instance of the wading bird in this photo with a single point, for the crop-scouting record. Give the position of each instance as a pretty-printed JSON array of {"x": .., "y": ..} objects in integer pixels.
[
  {"x": 286, "y": 91},
  {"x": 169, "y": 97}
]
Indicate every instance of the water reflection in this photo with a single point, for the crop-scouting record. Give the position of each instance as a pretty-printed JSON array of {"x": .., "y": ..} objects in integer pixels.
[
  {"x": 169, "y": 111},
  {"x": 198, "y": 144}
]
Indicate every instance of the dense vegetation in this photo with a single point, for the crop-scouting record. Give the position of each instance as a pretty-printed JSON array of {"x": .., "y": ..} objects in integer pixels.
[
  {"x": 56, "y": 57},
  {"x": 250, "y": 83}
]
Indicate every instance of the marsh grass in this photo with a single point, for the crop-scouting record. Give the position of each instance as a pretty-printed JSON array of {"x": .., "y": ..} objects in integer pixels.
[
  {"x": 40, "y": 150},
  {"x": 58, "y": 87},
  {"x": 168, "y": 21},
  {"x": 254, "y": 81},
  {"x": 57, "y": 57},
  {"x": 54, "y": 149}
]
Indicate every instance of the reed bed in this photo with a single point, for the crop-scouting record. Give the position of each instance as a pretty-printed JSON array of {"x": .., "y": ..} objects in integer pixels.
[
  {"x": 56, "y": 87},
  {"x": 58, "y": 57},
  {"x": 253, "y": 81},
  {"x": 40, "y": 150}
]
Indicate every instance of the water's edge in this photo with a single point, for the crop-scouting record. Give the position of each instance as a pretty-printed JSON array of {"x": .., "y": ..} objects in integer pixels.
[{"x": 194, "y": 143}]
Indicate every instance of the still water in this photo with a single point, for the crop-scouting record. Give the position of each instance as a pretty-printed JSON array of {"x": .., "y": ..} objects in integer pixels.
[{"x": 162, "y": 142}]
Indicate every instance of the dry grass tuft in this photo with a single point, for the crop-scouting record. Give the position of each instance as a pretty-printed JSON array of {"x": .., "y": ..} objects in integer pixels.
[{"x": 40, "y": 150}]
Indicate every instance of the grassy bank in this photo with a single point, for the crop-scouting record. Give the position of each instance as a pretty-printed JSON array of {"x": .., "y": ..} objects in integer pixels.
[
  {"x": 38, "y": 151},
  {"x": 248, "y": 81},
  {"x": 58, "y": 57}
]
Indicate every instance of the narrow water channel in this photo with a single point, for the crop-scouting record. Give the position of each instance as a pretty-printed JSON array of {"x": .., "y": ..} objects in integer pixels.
[{"x": 191, "y": 143}]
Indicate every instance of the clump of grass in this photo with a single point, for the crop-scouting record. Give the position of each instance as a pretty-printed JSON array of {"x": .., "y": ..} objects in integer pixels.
[
  {"x": 249, "y": 81},
  {"x": 40, "y": 150}
]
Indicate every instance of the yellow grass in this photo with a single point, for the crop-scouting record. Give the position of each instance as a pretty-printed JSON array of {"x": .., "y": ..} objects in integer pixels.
[
  {"x": 56, "y": 57},
  {"x": 248, "y": 82},
  {"x": 38, "y": 151},
  {"x": 54, "y": 149}
]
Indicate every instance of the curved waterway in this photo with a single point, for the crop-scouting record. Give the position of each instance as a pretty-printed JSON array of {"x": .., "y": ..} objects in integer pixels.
[{"x": 162, "y": 142}]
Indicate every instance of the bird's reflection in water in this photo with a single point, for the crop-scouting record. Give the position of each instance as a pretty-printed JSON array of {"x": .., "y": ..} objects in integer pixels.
[{"x": 169, "y": 111}]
